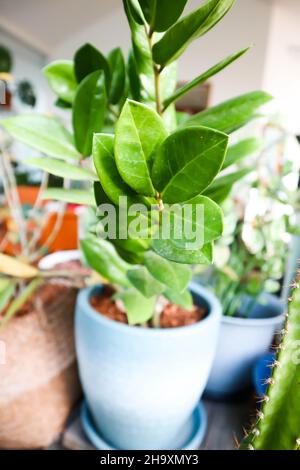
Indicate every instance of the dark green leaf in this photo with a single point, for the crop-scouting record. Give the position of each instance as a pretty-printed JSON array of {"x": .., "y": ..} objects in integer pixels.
[
  {"x": 139, "y": 132},
  {"x": 146, "y": 284},
  {"x": 183, "y": 299},
  {"x": 43, "y": 133},
  {"x": 238, "y": 151},
  {"x": 133, "y": 9},
  {"x": 204, "y": 77},
  {"x": 62, "y": 104},
  {"x": 103, "y": 258},
  {"x": 71, "y": 196},
  {"x": 160, "y": 14},
  {"x": 110, "y": 179},
  {"x": 134, "y": 80},
  {"x": 196, "y": 24},
  {"x": 208, "y": 225},
  {"x": 62, "y": 169},
  {"x": 61, "y": 78},
  {"x": 117, "y": 69},
  {"x": 89, "y": 111},
  {"x": 187, "y": 162},
  {"x": 168, "y": 250},
  {"x": 173, "y": 275},
  {"x": 232, "y": 114},
  {"x": 87, "y": 60},
  {"x": 139, "y": 309}
]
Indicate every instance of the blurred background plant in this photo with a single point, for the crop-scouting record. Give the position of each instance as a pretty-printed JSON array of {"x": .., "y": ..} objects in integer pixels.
[{"x": 260, "y": 220}]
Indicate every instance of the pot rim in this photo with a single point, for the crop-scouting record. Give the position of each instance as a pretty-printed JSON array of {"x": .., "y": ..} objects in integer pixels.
[
  {"x": 238, "y": 321},
  {"x": 48, "y": 261},
  {"x": 214, "y": 313}
]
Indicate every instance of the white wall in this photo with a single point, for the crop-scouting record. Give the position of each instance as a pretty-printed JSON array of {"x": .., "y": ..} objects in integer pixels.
[
  {"x": 247, "y": 23},
  {"x": 282, "y": 66},
  {"x": 27, "y": 64}
]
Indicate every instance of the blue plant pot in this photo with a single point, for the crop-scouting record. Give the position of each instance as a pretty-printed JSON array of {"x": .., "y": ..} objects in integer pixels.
[
  {"x": 241, "y": 342},
  {"x": 143, "y": 385}
]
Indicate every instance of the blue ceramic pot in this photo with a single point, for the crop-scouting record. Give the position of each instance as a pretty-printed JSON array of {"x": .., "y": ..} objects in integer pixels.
[
  {"x": 142, "y": 385},
  {"x": 241, "y": 342}
]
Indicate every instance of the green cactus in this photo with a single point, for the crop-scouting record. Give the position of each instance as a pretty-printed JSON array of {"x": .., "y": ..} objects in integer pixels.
[{"x": 277, "y": 425}]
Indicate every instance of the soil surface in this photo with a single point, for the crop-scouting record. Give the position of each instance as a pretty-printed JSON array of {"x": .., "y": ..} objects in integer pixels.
[{"x": 172, "y": 315}]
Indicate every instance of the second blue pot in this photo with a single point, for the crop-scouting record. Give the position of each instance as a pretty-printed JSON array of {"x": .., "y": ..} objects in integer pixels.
[{"x": 142, "y": 385}]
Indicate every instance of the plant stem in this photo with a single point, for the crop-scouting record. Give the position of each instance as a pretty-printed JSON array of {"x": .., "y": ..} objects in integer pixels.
[{"x": 156, "y": 72}]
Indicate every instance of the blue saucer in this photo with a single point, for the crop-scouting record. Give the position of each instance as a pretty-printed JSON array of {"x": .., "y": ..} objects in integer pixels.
[{"x": 199, "y": 426}]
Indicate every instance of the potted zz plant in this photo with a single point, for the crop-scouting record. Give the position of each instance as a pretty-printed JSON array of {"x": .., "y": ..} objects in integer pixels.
[{"x": 146, "y": 337}]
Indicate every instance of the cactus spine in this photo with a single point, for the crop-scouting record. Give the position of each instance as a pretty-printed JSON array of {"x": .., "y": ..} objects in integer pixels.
[{"x": 277, "y": 425}]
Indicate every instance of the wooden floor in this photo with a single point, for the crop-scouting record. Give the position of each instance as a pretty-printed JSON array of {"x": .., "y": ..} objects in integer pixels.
[{"x": 225, "y": 426}]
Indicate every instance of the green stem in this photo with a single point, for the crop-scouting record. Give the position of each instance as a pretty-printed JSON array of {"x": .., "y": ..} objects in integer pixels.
[{"x": 156, "y": 72}]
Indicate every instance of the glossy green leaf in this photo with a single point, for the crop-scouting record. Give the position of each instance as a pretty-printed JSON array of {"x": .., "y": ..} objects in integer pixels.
[
  {"x": 204, "y": 77},
  {"x": 20, "y": 300},
  {"x": 61, "y": 78},
  {"x": 43, "y": 133},
  {"x": 62, "y": 104},
  {"x": 221, "y": 187},
  {"x": 194, "y": 25},
  {"x": 133, "y": 77},
  {"x": 146, "y": 284},
  {"x": 240, "y": 150},
  {"x": 132, "y": 7},
  {"x": 139, "y": 132},
  {"x": 103, "y": 258},
  {"x": 89, "y": 111},
  {"x": 182, "y": 299},
  {"x": 62, "y": 169},
  {"x": 208, "y": 226},
  {"x": 160, "y": 14},
  {"x": 143, "y": 66},
  {"x": 117, "y": 70},
  {"x": 173, "y": 275},
  {"x": 110, "y": 179},
  {"x": 71, "y": 196},
  {"x": 232, "y": 114},
  {"x": 7, "y": 289},
  {"x": 187, "y": 162},
  {"x": 139, "y": 309},
  {"x": 87, "y": 60},
  {"x": 168, "y": 250}
]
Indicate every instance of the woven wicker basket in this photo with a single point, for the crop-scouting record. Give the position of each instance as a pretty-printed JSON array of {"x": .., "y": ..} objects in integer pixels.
[{"x": 39, "y": 382}]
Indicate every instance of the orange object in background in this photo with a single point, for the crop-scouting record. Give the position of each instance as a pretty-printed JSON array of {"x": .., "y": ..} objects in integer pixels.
[{"x": 67, "y": 236}]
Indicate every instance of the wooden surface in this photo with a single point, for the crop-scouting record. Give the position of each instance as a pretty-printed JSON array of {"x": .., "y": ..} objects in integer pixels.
[{"x": 225, "y": 426}]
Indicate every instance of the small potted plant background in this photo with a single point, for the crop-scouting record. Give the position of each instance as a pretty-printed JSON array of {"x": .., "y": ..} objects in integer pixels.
[
  {"x": 145, "y": 338},
  {"x": 249, "y": 275}
]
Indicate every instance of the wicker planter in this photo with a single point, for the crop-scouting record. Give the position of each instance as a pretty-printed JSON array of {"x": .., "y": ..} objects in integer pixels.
[{"x": 38, "y": 373}]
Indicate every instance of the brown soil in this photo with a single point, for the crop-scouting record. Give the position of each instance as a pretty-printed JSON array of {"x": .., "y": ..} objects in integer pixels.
[
  {"x": 104, "y": 304},
  {"x": 172, "y": 316}
]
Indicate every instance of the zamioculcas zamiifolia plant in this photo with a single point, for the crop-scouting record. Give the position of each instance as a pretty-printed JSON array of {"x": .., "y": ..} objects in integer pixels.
[
  {"x": 277, "y": 426},
  {"x": 148, "y": 159}
]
